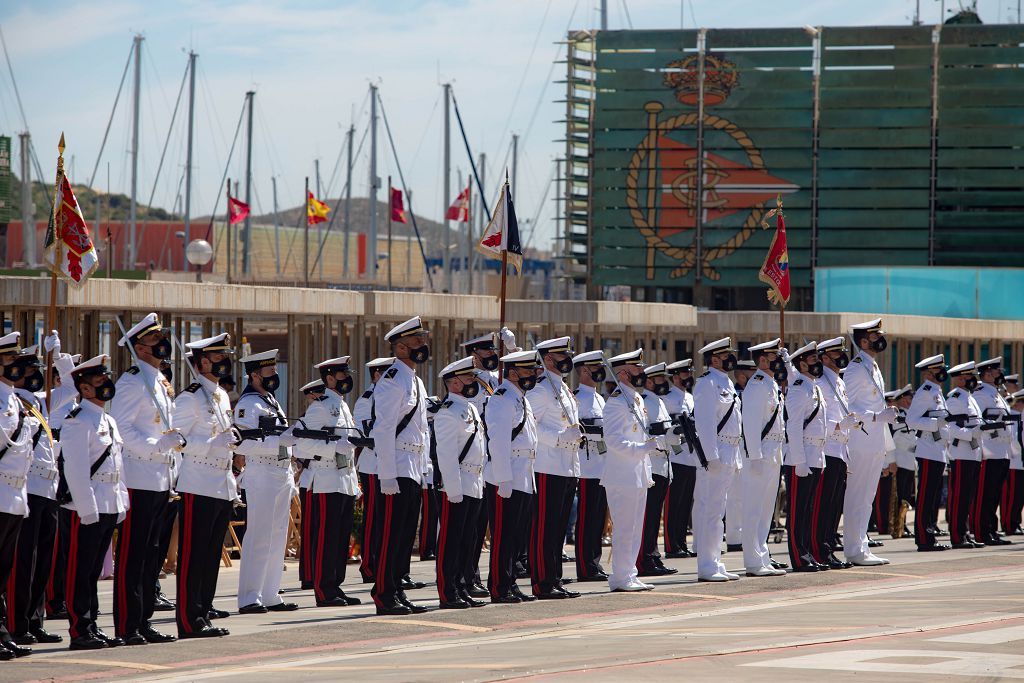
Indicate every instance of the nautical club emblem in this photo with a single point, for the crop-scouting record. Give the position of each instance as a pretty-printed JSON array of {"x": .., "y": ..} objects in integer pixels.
[{"x": 661, "y": 185}]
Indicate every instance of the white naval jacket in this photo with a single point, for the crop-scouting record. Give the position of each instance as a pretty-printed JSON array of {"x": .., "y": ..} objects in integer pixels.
[
  {"x": 491, "y": 379},
  {"x": 995, "y": 443},
  {"x": 510, "y": 459},
  {"x": 929, "y": 397},
  {"x": 656, "y": 412},
  {"x": 679, "y": 402},
  {"x": 329, "y": 464},
  {"x": 42, "y": 475},
  {"x": 399, "y": 393},
  {"x": 16, "y": 429},
  {"x": 833, "y": 388},
  {"x": 627, "y": 464},
  {"x": 558, "y": 431},
  {"x": 965, "y": 442},
  {"x": 362, "y": 413},
  {"x": 905, "y": 440},
  {"x": 265, "y": 459},
  {"x": 85, "y": 435},
  {"x": 202, "y": 415},
  {"x": 866, "y": 388},
  {"x": 457, "y": 426},
  {"x": 591, "y": 406},
  {"x": 713, "y": 395},
  {"x": 141, "y": 426},
  {"x": 805, "y": 404},
  {"x": 762, "y": 407}
]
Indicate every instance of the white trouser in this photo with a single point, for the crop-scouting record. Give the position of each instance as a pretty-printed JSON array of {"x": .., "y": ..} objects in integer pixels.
[
  {"x": 759, "y": 487},
  {"x": 626, "y": 506},
  {"x": 734, "y": 519},
  {"x": 709, "y": 495},
  {"x": 861, "y": 485},
  {"x": 268, "y": 497}
]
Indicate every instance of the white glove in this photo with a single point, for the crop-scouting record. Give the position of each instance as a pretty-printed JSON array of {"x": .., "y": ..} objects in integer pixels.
[
  {"x": 848, "y": 422},
  {"x": 455, "y": 498},
  {"x": 224, "y": 440},
  {"x": 784, "y": 355},
  {"x": 389, "y": 487},
  {"x": 802, "y": 470},
  {"x": 168, "y": 441},
  {"x": 52, "y": 343},
  {"x": 90, "y": 518},
  {"x": 508, "y": 339},
  {"x": 287, "y": 438},
  {"x": 887, "y": 415},
  {"x": 505, "y": 489}
]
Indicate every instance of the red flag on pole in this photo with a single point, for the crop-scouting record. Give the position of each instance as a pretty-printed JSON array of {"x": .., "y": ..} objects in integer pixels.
[
  {"x": 397, "y": 206},
  {"x": 775, "y": 269},
  {"x": 459, "y": 210},
  {"x": 68, "y": 247},
  {"x": 237, "y": 210}
]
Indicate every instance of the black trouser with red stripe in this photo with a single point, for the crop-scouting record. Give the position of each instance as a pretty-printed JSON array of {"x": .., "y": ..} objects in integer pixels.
[
  {"x": 204, "y": 521},
  {"x": 799, "y": 519},
  {"x": 454, "y": 542},
  {"x": 649, "y": 558},
  {"x": 1013, "y": 501},
  {"x": 398, "y": 531},
  {"x": 10, "y": 527},
  {"x": 679, "y": 506},
  {"x": 929, "y": 493},
  {"x": 306, "y": 542},
  {"x": 963, "y": 488},
  {"x": 990, "y": 486},
  {"x": 591, "y": 512},
  {"x": 553, "y": 506},
  {"x": 506, "y": 517},
  {"x": 137, "y": 565},
  {"x": 59, "y": 567},
  {"x": 472, "y": 570},
  {"x": 330, "y": 528},
  {"x": 370, "y": 549},
  {"x": 87, "y": 549},
  {"x": 429, "y": 513},
  {"x": 827, "y": 508},
  {"x": 26, "y": 587}
]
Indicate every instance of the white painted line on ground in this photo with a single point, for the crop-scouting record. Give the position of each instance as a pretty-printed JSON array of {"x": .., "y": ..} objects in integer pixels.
[
  {"x": 932, "y": 663},
  {"x": 993, "y": 636}
]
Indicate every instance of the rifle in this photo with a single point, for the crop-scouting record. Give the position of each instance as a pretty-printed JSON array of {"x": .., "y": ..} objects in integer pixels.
[
  {"x": 659, "y": 428},
  {"x": 266, "y": 426},
  {"x": 592, "y": 425},
  {"x": 326, "y": 434},
  {"x": 687, "y": 428}
]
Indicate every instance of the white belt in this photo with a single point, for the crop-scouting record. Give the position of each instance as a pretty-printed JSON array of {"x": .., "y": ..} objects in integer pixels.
[
  {"x": 43, "y": 471},
  {"x": 270, "y": 460},
  {"x": 731, "y": 440},
  {"x": 524, "y": 453},
  {"x": 16, "y": 482},
  {"x": 210, "y": 462},
  {"x": 107, "y": 477},
  {"x": 472, "y": 469},
  {"x": 776, "y": 438},
  {"x": 814, "y": 441},
  {"x": 416, "y": 448},
  {"x": 839, "y": 437},
  {"x": 162, "y": 458}
]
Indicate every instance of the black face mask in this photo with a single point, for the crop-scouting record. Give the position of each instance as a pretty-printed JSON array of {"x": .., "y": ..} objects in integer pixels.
[
  {"x": 638, "y": 380},
  {"x": 162, "y": 349},
  {"x": 597, "y": 375},
  {"x": 971, "y": 384},
  {"x": 106, "y": 391},
  {"x": 527, "y": 383},
  {"x": 470, "y": 390},
  {"x": 489, "y": 362},
  {"x": 729, "y": 363},
  {"x": 662, "y": 388},
  {"x": 168, "y": 374},
  {"x": 880, "y": 344},
  {"x": 999, "y": 379},
  {"x": 14, "y": 372},
  {"x": 941, "y": 375},
  {"x": 344, "y": 385},
  {"x": 34, "y": 382},
  {"x": 271, "y": 383},
  {"x": 780, "y": 376},
  {"x": 221, "y": 368},
  {"x": 688, "y": 384},
  {"x": 564, "y": 366},
  {"x": 816, "y": 369},
  {"x": 420, "y": 354},
  {"x": 841, "y": 361}
]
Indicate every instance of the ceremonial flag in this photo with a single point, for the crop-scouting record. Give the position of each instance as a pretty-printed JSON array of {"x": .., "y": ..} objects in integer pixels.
[
  {"x": 775, "y": 269},
  {"x": 316, "y": 210},
  {"x": 237, "y": 210},
  {"x": 502, "y": 233},
  {"x": 397, "y": 206},
  {"x": 459, "y": 210},
  {"x": 68, "y": 247}
]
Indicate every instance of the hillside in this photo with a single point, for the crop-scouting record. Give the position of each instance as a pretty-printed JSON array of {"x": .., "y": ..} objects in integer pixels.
[{"x": 113, "y": 207}]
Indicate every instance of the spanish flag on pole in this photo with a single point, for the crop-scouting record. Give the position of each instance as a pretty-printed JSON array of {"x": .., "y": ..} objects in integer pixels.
[{"x": 316, "y": 210}]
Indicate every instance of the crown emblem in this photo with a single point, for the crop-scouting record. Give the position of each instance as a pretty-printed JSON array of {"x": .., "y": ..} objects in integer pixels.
[{"x": 720, "y": 77}]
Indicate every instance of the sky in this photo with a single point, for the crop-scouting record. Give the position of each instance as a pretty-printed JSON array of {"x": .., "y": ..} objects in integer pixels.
[{"x": 311, "y": 62}]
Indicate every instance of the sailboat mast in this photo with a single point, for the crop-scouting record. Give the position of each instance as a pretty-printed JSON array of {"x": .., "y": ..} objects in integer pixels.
[
  {"x": 247, "y": 237},
  {"x": 371, "y": 248},
  {"x": 447, "y": 260},
  {"x": 348, "y": 198},
  {"x": 188, "y": 152},
  {"x": 133, "y": 211}
]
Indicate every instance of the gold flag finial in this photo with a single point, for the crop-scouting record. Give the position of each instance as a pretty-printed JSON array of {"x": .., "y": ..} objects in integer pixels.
[{"x": 60, "y": 145}]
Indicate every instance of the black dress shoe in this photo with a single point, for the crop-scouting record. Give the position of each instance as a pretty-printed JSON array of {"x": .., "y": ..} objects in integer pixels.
[
  {"x": 523, "y": 597},
  {"x": 253, "y": 608},
  {"x": 966, "y": 545},
  {"x": 17, "y": 650},
  {"x": 834, "y": 562},
  {"x": 454, "y": 604},
  {"x": 872, "y": 543},
  {"x": 349, "y": 600},
  {"x": 779, "y": 565},
  {"x": 332, "y": 602},
  {"x": 521, "y": 572},
  {"x": 478, "y": 591},
  {"x": 931, "y": 548},
  {"x": 428, "y": 557},
  {"x": 551, "y": 594},
  {"x": 153, "y": 636},
  {"x": 43, "y": 636},
  {"x": 88, "y": 642},
  {"x": 568, "y": 593},
  {"x": 413, "y": 607},
  {"x": 24, "y": 638},
  {"x": 396, "y": 610},
  {"x": 283, "y": 607},
  {"x": 111, "y": 642},
  {"x": 58, "y": 614},
  {"x": 822, "y": 566},
  {"x": 469, "y": 600},
  {"x": 734, "y": 547},
  {"x": 217, "y": 614},
  {"x": 507, "y": 599},
  {"x": 565, "y": 580},
  {"x": 203, "y": 631},
  {"x": 407, "y": 584},
  {"x": 135, "y": 638},
  {"x": 678, "y": 554},
  {"x": 600, "y": 576},
  {"x": 568, "y": 558},
  {"x": 806, "y": 568},
  {"x": 6, "y": 655},
  {"x": 162, "y": 604},
  {"x": 996, "y": 539},
  {"x": 306, "y": 585}
]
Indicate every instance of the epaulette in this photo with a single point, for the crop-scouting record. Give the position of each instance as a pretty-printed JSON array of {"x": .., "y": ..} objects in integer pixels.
[
  {"x": 617, "y": 392},
  {"x": 541, "y": 378},
  {"x": 391, "y": 372},
  {"x": 133, "y": 370},
  {"x": 322, "y": 397},
  {"x": 193, "y": 388},
  {"x": 433, "y": 405},
  {"x": 500, "y": 391},
  {"x": 758, "y": 377},
  {"x": 798, "y": 383},
  {"x": 929, "y": 387},
  {"x": 955, "y": 394},
  {"x": 368, "y": 393},
  {"x": 858, "y": 359},
  {"x": 704, "y": 374},
  {"x": 575, "y": 391},
  {"x": 447, "y": 404},
  {"x": 74, "y": 412}
]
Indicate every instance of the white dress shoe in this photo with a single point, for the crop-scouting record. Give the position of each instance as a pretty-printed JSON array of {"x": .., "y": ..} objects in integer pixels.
[
  {"x": 631, "y": 587},
  {"x": 764, "y": 571},
  {"x": 717, "y": 577},
  {"x": 866, "y": 560},
  {"x": 731, "y": 576}
]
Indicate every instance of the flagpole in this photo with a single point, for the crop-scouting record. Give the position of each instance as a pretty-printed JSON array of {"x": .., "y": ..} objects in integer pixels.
[
  {"x": 504, "y": 254},
  {"x": 305, "y": 238},
  {"x": 227, "y": 231},
  {"x": 391, "y": 215},
  {"x": 51, "y": 312},
  {"x": 469, "y": 237}
]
